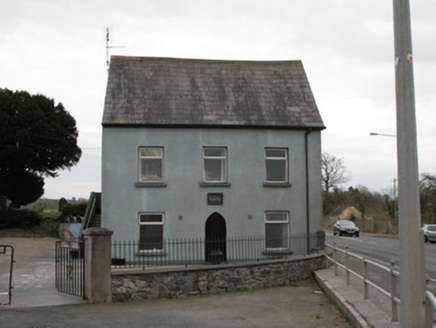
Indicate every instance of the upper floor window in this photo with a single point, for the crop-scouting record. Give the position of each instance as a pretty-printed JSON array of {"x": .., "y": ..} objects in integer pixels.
[
  {"x": 150, "y": 164},
  {"x": 215, "y": 164},
  {"x": 276, "y": 161}
]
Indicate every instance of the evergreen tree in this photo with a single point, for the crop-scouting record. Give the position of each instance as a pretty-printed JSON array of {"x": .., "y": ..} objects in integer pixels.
[{"x": 37, "y": 138}]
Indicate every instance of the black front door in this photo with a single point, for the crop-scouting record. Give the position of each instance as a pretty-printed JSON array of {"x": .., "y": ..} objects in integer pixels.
[{"x": 216, "y": 233}]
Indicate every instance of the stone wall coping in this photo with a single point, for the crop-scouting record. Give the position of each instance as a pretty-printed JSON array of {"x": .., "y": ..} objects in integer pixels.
[
  {"x": 209, "y": 267},
  {"x": 97, "y": 232}
]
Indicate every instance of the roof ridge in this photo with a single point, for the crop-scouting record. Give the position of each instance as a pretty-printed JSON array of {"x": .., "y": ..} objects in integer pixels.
[{"x": 203, "y": 60}]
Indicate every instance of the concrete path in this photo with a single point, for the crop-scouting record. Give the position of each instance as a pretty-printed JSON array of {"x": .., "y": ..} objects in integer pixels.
[
  {"x": 373, "y": 312},
  {"x": 300, "y": 307},
  {"x": 33, "y": 278}
]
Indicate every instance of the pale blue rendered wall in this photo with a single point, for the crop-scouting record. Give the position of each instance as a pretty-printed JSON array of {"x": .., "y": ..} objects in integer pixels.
[{"x": 183, "y": 195}]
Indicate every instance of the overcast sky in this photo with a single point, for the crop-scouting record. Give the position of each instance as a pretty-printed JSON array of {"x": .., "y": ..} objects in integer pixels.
[{"x": 58, "y": 48}]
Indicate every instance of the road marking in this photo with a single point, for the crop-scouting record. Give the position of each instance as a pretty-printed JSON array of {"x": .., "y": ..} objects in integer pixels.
[{"x": 347, "y": 239}]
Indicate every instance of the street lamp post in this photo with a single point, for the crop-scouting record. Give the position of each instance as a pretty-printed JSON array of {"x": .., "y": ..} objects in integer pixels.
[
  {"x": 382, "y": 134},
  {"x": 412, "y": 279}
]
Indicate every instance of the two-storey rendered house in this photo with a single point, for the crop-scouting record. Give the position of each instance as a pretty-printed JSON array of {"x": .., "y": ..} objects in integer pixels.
[{"x": 211, "y": 150}]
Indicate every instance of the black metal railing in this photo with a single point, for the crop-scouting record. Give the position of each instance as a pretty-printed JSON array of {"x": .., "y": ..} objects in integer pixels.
[
  {"x": 6, "y": 264},
  {"x": 70, "y": 268},
  {"x": 195, "y": 251}
]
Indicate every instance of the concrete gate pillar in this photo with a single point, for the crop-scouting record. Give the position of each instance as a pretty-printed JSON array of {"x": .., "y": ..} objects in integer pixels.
[{"x": 98, "y": 264}]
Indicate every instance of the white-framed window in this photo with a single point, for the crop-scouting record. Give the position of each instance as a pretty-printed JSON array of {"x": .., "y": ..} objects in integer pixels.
[
  {"x": 276, "y": 164},
  {"x": 151, "y": 164},
  {"x": 151, "y": 232},
  {"x": 277, "y": 230},
  {"x": 215, "y": 164}
]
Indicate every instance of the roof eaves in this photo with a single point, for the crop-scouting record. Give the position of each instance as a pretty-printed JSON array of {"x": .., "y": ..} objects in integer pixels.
[{"x": 213, "y": 126}]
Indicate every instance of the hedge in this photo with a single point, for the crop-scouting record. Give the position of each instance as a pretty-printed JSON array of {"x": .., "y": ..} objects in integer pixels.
[
  {"x": 71, "y": 210},
  {"x": 3, "y": 201},
  {"x": 18, "y": 219}
]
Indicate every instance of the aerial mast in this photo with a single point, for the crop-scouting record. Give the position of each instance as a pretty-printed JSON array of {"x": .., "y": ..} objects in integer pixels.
[{"x": 108, "y": 47}]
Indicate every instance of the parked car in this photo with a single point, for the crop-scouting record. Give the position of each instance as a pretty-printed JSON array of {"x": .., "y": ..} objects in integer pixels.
[
  {"x": 429, "y": 233},
  {"x": 345, "y": 227}
]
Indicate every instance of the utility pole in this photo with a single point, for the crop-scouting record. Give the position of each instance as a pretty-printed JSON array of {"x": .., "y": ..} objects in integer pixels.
[
  {"x": 412, "y": 272},
  {"x": 395, "y": 198}
]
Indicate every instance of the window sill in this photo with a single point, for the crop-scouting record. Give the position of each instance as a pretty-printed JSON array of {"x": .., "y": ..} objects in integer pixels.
[
  {"x": 151, "y": 253},
  {"x": 278, "y": 252},
  {"x": 277, "y": 185},
  {"x": 215, "y": 184},
  {"x": 150, "y": 184}
]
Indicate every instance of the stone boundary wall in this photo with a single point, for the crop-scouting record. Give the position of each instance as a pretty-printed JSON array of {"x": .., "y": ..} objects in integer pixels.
[{"x": 212, "y": 279}]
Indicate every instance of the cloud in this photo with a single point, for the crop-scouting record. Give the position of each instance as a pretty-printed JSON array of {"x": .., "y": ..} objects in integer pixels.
[{"x": 58, "y": 48}]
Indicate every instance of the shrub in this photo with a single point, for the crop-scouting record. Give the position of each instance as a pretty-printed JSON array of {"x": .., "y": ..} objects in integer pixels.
[
  {"x": 69, "y": 210},
  {"x": 3, "y": 202},
  {"x": 18, "y": 219}
]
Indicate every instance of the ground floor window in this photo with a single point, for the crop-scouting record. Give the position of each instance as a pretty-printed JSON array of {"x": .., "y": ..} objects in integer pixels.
[
  {"x": 277, "y": 230},
  {"x": 151, "y": 231}
]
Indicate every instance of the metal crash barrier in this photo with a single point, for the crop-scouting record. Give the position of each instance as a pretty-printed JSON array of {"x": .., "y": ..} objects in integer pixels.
[{"x": 392, "y": 275}]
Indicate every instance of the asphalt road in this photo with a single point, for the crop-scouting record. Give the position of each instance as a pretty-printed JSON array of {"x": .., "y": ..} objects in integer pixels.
[{"x": 382, "y": 248}]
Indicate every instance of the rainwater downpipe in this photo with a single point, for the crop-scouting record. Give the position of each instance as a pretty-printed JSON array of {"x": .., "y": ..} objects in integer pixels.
[{"x": 306, "y": 152}]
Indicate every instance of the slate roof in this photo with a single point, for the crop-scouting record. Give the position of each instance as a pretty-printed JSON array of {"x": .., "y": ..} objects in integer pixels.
[{"x": 144, "y": 91}]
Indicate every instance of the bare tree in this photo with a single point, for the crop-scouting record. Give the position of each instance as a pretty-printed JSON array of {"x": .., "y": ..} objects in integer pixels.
[
  {"x": 427, "y": 190},
  {"x": 333, "y": 172}
]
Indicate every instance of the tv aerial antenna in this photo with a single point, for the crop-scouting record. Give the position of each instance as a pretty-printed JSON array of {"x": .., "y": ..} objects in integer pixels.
[{"x": 108, "y": 47}]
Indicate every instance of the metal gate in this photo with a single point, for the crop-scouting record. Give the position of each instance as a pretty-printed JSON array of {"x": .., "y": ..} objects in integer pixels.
[
  {"x": 6, "y": 266},
  {"x": 70, "y": 268}
]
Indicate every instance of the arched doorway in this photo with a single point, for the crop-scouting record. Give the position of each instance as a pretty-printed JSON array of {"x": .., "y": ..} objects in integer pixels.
[{"x": 216, "y": 233}]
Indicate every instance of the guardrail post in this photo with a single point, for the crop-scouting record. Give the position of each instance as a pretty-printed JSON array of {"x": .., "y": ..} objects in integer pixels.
[
  {"x": 365, "y": 280},
  {"x": 346, "y": 265},
  {"x": 428, "y": 305},
  {"x": 428, "y": 313},
  {"x": 335, "y": 257},
  {"x": 326, "y": 260},
  {"x": 394, "y": 293}
]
